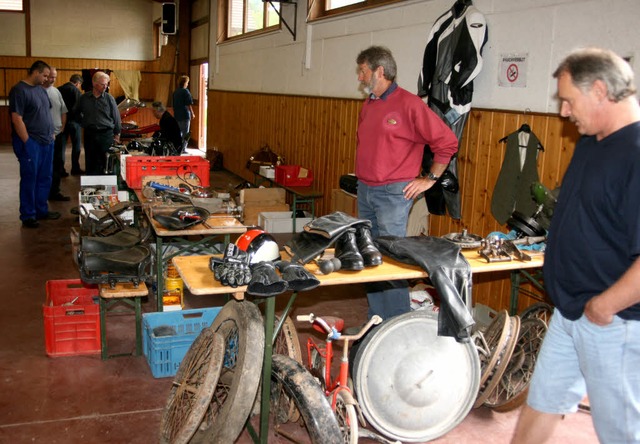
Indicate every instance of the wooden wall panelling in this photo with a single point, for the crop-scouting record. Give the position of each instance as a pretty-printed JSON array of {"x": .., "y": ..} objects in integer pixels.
[{"x": 320, "y": 133}]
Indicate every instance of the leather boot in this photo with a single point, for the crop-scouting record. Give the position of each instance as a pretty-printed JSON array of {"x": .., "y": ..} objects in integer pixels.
[
  {"x": 366, "y": 247},
  {"x": 347, "y": 252}
]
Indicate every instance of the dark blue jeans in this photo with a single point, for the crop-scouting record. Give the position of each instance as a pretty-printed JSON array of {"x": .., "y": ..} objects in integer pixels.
[
  {"x": 36, "y": 165},
  {"x": 388, "y": 211},
  {"x": 72, "y": 130}
]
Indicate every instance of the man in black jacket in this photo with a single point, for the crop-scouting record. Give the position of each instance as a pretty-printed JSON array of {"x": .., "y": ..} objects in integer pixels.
[
  {"x": 169, "y": 128},
  {"x": 70, "y": 94}
]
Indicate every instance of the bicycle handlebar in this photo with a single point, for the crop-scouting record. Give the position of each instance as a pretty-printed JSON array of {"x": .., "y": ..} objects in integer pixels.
[{"x": 375, "y": 320}]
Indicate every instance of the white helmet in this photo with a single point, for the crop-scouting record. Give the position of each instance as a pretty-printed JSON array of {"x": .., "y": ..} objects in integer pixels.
[{"x": 261, "y": 246}]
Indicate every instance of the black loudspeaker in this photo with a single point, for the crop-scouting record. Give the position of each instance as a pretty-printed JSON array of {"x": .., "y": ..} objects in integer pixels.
[{"x": 168, "y": 18}]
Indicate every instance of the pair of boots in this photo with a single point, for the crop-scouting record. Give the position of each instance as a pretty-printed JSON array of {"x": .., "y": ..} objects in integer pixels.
[{"x": 356, "y": 250}]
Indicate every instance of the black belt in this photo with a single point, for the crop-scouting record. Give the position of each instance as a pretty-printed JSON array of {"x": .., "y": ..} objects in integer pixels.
[{"x": 99, "y": 130}]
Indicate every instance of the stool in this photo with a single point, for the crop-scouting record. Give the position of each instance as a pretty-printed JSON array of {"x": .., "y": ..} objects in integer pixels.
[{"x": 123, "y": 292}]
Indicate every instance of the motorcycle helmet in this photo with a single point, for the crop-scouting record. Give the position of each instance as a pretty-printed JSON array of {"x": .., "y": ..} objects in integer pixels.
[{"x": 261, "y": 246}]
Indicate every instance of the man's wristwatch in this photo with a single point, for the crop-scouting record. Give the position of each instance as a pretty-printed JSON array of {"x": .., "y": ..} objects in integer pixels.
[{"x": 432, "y": 176}]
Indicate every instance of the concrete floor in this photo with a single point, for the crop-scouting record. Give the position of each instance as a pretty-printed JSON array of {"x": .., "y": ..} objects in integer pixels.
[{"x": 83, "y": 399}]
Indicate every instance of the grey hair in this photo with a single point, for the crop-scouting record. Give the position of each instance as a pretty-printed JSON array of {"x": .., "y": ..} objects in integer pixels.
[
  {"x": 587, "y": 65},
  {"x": 376, "y": 56},
  {"x": 158, "y": 106}
]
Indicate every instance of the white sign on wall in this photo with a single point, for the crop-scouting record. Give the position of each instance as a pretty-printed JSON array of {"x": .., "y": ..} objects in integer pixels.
[{"x": 513, "y": 70}]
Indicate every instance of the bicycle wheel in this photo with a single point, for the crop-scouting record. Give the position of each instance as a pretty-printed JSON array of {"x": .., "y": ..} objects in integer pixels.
[
  {"x": 347, "y": 418},
  {"x": 192, "y": 388},
  {"x": 539, "y": 310},
  {"x": 288, "y": 344},
  {"x": 290, "y": 378},
  {"x": 241, "y": 325}
]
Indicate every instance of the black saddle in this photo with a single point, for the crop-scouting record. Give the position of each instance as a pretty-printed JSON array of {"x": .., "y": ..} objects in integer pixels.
[
  {"x": 130, "y": 265},
  {"x": 122, "y": 240}
]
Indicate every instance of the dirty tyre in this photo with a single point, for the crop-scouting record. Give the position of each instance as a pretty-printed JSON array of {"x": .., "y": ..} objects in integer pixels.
[
  {"x": 290, "y": 378},
  {"x": 241, "y": 325}
]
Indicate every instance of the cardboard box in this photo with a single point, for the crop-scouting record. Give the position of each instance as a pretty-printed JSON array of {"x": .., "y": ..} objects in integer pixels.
[
  {"x": 258, "y": 200},
  {"x": 345, "y": 202},
  {"x": 282, "y": 221}
]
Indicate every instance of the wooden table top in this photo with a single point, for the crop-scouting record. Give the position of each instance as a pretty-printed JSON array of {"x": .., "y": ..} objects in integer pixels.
[{"x": 198, "y": 277}]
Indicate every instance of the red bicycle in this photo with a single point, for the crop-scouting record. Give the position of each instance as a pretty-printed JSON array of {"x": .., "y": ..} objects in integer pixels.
[{"x": 320, "y": 357}]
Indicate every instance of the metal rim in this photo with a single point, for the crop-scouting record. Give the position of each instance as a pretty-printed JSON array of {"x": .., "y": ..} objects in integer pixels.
[
  {"x": 412, "y": 384},
  {"x": 192, "y": 388},
  {"x": 504, "y": 355},
  {"x": 512, "y": 390},
  {"x": 489, "y": 342},
  {"x": 540, "y": 310}
]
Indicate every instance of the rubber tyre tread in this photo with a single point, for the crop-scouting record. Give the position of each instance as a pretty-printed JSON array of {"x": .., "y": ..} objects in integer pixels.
[
  {"x": 303, "y": 389},
  {"x": 226, "y": 418}
]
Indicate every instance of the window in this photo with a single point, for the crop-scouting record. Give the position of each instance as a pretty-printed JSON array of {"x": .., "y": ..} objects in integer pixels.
[
  {"x": 11, "y": 5},
  {"x": 245, "y": 17},
  {"x": 319, "y": 9}
]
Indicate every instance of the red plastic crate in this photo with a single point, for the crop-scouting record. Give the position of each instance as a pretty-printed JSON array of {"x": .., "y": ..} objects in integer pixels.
[
  {"x": 71, "y": 330},
  {"x": 287, "y": 175},
  {"x": 181, "y": 166}
]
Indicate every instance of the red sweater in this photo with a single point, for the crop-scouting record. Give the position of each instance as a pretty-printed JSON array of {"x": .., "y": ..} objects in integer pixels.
[{"x": 392, "y": 133}]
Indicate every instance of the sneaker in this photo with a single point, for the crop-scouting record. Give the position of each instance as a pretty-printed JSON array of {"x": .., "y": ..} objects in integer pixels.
[
  {"x": 64, "y": 173},
  {"x": 77, "y": 172},
  {"x": 59, "y": 197},
  {"x": 51, "y": 215},
  {"x": 30, "y": 223}
]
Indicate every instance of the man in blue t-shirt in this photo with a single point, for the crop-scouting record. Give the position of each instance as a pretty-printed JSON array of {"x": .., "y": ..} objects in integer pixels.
[
  {"x": 591, "y": 269},
  {"x": 182, "y": 107},
  {"x": 32, "y": 139}
]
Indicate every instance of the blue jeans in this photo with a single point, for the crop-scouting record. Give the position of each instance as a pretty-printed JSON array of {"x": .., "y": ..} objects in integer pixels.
[
  {"x": 578, "y": 358},
  {"x": 388, "y": 210},
  {"x": 36, "y": 166}
]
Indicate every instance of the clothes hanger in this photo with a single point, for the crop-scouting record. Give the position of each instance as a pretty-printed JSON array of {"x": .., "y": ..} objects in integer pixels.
[{"x": 460, "y": 6}]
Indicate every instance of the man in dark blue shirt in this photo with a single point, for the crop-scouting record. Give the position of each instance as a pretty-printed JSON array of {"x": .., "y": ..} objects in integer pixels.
[
  {"x": 32, "y": 139},
  {"x": 101, "y": 122},
  {"x": 592, "y": 270}
]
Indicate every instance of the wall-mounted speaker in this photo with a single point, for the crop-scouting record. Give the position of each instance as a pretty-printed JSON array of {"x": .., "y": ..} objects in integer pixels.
[{"x": 169, "y": 18}]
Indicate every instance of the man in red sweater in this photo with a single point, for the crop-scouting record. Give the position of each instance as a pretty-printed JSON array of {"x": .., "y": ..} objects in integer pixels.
[{"x": 393, "y": 128}]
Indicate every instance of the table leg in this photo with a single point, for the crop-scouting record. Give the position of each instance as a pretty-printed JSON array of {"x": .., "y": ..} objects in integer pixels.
[
  {"x": 138, "y": 307},
  {"x": 515, "y": 289},
  {"x": 159, "y": 272},
  {"x": 295, "y": 210},
  {"x": 269, "y": 320}
]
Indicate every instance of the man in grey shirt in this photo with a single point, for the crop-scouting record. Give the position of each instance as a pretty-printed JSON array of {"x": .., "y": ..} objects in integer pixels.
[
  {"x": 101, "y": 122},
  {"x": 59, "y": 115}
]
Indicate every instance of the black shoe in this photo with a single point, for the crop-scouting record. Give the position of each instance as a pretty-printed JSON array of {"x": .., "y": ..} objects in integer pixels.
[
  {"x": 77, "y": 172},
  {"x": 51, "y": 215},
  {"x": 64, "y": 173},
  {"x": 30, "y": 223},
  {"x": 370, "y": 254},
  {"x": 59, "y": 197},
  {"x": 346, "y": 250}
]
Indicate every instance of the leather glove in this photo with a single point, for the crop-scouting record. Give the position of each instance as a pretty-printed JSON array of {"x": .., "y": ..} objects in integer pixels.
[
  {"x": 233, "y": 269},
  {"x": 297, "y": 277},
  {"x": 265, "y": 281}
]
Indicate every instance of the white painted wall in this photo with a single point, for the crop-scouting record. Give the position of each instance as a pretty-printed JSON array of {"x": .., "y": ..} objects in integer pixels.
[
  {"x": 544, "y": 29},
  {"x": 105, "y": 29}
]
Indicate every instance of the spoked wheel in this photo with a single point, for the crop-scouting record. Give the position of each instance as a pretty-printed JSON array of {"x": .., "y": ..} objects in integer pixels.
[
  {"x": 512, "y": 389},
  {"x": 287, "y": 343},
  {"x": 289, "y": 378},
  {"x": 241, "y": 325},
  {"x": 539, "y": 310},
  {"x": 504, "y": 356},
  {"x": 317, "y": 368},
  {"x": 192, "y": 388},
  {"x": 347, "y": 418},
  {"x": 489, "y": 344}
]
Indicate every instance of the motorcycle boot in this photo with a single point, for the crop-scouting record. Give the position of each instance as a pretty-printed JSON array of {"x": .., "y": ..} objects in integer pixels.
[
  {"x": 346, "y": 251},
  {"x": 370, "y": 254}
]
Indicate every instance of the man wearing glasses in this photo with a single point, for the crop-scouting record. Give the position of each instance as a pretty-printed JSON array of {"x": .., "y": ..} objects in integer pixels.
[{"x": 100, "y": 119}]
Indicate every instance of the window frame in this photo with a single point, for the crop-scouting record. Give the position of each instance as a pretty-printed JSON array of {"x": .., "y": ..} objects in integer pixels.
[
  {"x": 21, "y": 10},
  {"x": 316, "y": 8},
  {"x": 224, "y": 18}
]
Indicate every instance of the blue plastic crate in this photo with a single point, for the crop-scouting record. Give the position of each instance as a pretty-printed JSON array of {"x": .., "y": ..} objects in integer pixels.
[{"x": 165, "y": 353}]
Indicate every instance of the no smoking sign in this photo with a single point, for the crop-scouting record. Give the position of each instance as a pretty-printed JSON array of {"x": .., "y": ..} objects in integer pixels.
[{"x": 512, "y": 70}]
